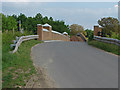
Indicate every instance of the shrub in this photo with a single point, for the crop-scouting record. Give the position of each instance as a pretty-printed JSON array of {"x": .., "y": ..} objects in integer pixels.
[
  {"x": 114, "y": 35},
  {"x": 90, "y": 37}
]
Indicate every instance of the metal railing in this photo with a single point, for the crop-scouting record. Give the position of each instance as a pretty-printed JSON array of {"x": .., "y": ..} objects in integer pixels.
[
  {"x": 19, "y": 40},
  {"x": 107, "y": 40}
]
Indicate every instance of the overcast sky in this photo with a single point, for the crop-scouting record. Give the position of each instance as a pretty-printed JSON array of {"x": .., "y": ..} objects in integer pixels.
[
  {"x": 85, "y": 14},
  {"x": 59, "y": 0}
]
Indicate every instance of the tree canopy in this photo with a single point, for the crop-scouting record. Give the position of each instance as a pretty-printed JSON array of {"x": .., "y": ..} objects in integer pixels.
[
  {"x": 75, "y": 28},
  {"x": 30, "y": 23},
  {"x": 109, "y": 25},
  {"x": 8, "y": 23}
]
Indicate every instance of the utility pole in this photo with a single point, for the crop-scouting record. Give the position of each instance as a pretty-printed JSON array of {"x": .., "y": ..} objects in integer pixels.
[{"x": 19, "y": 25}]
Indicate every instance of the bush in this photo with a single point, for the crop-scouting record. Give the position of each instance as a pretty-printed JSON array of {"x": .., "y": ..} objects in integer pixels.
[
  {"x": 114, "y": 35},
  {"x": 90, "y": 37}
]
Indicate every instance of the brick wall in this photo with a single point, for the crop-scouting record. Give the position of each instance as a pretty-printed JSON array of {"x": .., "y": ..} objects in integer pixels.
[
  {"x": 96, "y": 30},
  {"x": 49, "y": 35}
]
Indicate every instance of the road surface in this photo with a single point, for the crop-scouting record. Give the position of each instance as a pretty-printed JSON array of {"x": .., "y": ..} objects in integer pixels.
[{"x": 77, "y": 65}]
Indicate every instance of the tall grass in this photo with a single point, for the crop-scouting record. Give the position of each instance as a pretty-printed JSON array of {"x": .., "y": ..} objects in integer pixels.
[
  {"x": 105, "y": 46},
  {"x": 17, "y": 68}
]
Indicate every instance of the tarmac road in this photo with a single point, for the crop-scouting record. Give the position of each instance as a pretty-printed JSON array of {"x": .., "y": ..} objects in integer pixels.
[{"x": 77, "y": 65}]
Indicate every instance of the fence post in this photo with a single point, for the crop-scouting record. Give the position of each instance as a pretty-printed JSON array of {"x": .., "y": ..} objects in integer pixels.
[{"x": 40, "y": 31}]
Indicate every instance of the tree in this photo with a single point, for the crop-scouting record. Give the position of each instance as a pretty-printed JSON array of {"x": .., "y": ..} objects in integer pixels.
[
  {"x": 109, "y": 25},
  {"x": 38, "y": 18},
  {"x": 23, "y": 19},
  {"x": 15, "y": 16},
  {"x": 8, "y": 23},
  {"x": 51, "y": 19},
  {"x": 4, "y": 22},
  {"x": 60, "y": 26},
  {"x": 88, "y": 32},
  {"x": 45, "y": 20},
  {"x": 0, "y": 21},
  {"x": 30, "y": 23},
  {"x": 75, "y": 28},
  {"x": 11, "y": 23}
]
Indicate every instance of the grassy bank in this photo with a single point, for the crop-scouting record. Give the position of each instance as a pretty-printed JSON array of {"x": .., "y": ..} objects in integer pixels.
[
  {"x": 17, "y": 68},
  {"x": 0, "y": 59},
  {"x": 105, "y": 46}
]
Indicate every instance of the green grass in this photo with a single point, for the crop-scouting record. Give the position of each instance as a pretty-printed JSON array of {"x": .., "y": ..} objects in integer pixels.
[
  {"x": 0, "y": 59},
  {"x": 105, "y": 46},
  {"x": 18, "y": 67}
]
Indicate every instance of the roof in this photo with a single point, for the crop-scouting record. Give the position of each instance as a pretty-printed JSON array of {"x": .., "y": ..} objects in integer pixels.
[
  {"x": 65, "y": 33},
  {"x": 46, "y": 25},
  {"x": 56, "y": 32},
  {"x": 45, "y": 30}
]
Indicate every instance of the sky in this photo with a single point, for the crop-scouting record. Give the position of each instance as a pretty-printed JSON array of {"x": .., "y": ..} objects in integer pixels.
[
  {"x": 59, "y": 0},
  {"x": 83, "y": 13}
]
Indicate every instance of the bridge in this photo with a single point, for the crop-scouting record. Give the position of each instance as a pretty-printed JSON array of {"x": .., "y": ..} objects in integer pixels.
[
  {"x": 72, "y": 64},
  {"x": 75, "y": 65},
  {"x": 45, "y": 32}
]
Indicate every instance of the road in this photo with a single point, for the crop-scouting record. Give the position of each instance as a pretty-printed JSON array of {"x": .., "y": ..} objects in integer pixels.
[{"x": 77, "y": 65}]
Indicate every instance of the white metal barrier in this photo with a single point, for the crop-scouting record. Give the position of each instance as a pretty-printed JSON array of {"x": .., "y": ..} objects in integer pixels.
[
  {"x": 18, "y": 41},
  {"x": 107, "y": 40}
]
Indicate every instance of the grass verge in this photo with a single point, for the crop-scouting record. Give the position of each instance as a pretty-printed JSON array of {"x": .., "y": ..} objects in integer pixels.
[
  {"x": 0, "y": 60},
  {"x": 17, "y": 68},
  {"x": 105, "y": 46}
]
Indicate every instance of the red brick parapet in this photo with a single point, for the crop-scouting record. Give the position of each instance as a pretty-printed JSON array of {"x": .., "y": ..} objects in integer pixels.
[
  {"x": 48, "y": 34},
  {"x": 96, "y": 30},
  {"x": 40, "y": 31}
]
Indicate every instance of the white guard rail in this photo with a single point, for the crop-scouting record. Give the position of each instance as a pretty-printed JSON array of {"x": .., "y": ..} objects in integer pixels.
[
  {"x": 107, "y": 40},
  {"x": 23, "y": 38}
]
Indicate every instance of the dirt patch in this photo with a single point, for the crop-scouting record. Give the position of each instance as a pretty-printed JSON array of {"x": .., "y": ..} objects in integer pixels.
[{"x": 40, "y": 80}]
